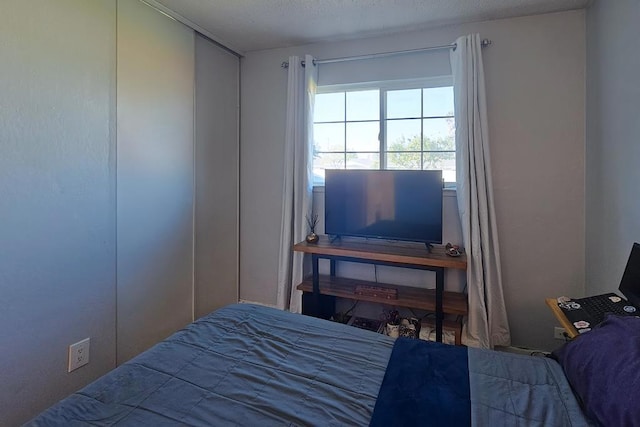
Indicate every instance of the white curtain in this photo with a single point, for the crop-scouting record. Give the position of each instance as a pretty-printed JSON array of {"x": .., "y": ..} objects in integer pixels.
[
  {"x": 298, "y": 179},
  {"x": 487, "y": 324}
]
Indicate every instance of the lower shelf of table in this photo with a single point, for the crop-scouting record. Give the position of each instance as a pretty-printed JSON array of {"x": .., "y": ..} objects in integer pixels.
[
  {"x": 454, "y": 326},
  {"x": 410, "y": 297}
]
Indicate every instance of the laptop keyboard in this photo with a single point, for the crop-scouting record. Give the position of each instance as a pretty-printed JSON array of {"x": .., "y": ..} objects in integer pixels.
[{"x": 598, "y": 306}]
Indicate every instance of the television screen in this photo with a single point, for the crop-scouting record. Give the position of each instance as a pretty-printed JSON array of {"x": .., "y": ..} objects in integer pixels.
[{"x": 384, "y": 204}]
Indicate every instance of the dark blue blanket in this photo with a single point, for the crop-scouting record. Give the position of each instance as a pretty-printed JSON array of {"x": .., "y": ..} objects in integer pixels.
[{"x": 426, "y": 384}]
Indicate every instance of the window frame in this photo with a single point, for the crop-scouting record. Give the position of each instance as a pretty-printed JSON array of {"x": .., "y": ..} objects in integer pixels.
[{"x": 383, "y": 87}]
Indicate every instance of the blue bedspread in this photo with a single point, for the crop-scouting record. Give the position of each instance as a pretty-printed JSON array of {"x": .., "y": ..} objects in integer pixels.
[
  {"x": 243, "y": 365},
  {"x": 246, "y": 365},
  {"x": 431, "y": 384}
]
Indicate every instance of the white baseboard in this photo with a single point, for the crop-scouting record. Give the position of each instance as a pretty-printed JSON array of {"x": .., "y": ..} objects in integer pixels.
[{"x": 244, "y": 301}]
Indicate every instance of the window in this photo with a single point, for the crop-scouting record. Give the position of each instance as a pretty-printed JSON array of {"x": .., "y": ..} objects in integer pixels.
[{"x": 387, "y": 126}]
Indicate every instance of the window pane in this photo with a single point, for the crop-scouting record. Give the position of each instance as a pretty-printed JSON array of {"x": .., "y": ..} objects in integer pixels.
[
  {"x": 329, "y": 107},
  {"x": 403, "y": 103},
  {"x": 328, "y": 137},
  {"x": 318, "y": 175},
  {"x": 322, "y": 161},
  {"x": 439, "y": 134},
  {"x": 347, "y": 126},
  {"x": 363, "y": 160},
  {"x": 363, "y": 105},
  {"x": 403, "y": 135},
  {"x": 363, "y": 136},
  {"x": 443, "y": 161},
  {"x": 438, "y": 101},
  {"x": 404, "y": 160}
]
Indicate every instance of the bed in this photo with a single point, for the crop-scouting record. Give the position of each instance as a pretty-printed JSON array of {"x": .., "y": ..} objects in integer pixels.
[{"x": 248, "y": 365}]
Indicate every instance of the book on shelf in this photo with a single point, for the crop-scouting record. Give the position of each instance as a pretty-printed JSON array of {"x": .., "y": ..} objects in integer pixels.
[{"x": 376, "y": 291}]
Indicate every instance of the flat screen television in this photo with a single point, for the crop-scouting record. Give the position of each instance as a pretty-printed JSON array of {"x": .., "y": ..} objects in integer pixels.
[{"x": 384, "y": 204}]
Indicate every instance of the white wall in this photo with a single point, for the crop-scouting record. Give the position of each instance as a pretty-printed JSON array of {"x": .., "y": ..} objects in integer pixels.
[
  {"x": 613, "y": 151},
  {"x": 57, "y": 198},
  {"x": 535, "y": 87}
]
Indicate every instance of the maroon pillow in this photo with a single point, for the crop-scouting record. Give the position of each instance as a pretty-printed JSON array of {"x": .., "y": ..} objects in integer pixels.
[{"x": 603, "y": 368}]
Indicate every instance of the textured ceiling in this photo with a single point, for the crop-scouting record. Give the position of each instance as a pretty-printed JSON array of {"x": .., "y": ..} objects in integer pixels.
[{"x": 248, "y": 25}]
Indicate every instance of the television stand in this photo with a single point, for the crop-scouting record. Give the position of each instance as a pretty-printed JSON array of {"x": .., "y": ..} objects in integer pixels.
[{"x": 320, "y": 291}]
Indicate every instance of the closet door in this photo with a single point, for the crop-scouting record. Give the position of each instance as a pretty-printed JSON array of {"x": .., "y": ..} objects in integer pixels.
[
  {"x": 217, "y": 158},
  {"x": 155, "y": 177}
]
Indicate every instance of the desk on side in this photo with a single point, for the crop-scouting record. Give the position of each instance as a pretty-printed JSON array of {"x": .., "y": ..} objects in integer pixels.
[{"x": 564, "y": 322}]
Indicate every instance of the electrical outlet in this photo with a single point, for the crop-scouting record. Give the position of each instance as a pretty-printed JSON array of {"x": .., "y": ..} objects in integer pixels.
[
  {"x": 79, "y": 354},
  {"x": 559, "y": 333}
]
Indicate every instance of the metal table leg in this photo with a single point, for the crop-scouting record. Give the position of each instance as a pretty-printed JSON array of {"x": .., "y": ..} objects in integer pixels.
[
  {"x": 439, "y": 294},
  {"x": 316, "y": 285}
]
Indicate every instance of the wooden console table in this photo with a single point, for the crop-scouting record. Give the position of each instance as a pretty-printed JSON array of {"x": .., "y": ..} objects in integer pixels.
[{"x": 320, "y": 291}]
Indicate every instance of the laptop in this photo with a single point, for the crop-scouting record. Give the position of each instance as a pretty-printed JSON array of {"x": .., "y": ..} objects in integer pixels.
[{"x": 585, "y": 313}]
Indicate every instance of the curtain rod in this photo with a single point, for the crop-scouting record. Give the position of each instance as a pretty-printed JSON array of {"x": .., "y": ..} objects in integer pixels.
[{"x": 285, "y": 64}]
